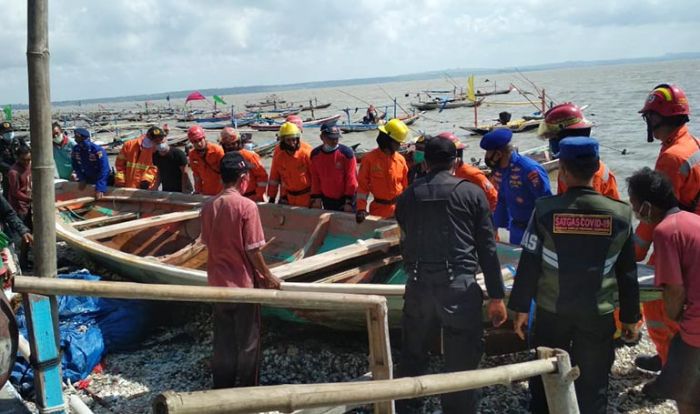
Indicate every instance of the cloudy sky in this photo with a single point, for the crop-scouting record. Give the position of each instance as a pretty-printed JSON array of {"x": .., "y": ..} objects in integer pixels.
[{"x": 126, "y": 47}]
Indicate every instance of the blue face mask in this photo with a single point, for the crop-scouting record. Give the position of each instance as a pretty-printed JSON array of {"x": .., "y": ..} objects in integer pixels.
[{"x": 418, "y": 156}]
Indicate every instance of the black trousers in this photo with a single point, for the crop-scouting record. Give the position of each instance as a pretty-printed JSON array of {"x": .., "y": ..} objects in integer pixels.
[
  {"x": 433, "y": 300},
  {"x": 236, "y": 361},
  {"x": 589, "y": 342},
  {"x": 332, "y": 203}
]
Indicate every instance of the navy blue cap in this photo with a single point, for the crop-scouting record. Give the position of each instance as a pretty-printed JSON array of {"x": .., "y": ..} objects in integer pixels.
[
  {"x": 330, "y": 131},
  {"x": 496, "y": 139},
  {"x": 573, "y": 148},
  {"x": 82, "y": 132}
]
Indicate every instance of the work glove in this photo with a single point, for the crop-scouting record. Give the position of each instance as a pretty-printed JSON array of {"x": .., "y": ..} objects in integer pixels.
[{"x": 360, "y": 216}]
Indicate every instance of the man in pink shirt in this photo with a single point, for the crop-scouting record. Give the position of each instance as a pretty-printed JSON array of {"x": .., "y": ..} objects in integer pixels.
[
  {"x": 677, "y": 250},
  {"x": 233, "y": 234},
  {"x": 19, "y": 179}
]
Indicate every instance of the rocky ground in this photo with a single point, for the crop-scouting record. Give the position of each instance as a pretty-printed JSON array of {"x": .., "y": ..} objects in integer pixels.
[{"x": 176, "y": 356}]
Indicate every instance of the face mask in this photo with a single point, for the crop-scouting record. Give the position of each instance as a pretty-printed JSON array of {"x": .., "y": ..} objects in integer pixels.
[
  {"x": 418, "y": 157},
  {"x": 8, "y": 136},
  {"x": 58, "y": 139},
  {"x": 640, "y": 214},
  {"x": 162, "y": 147},
  {"x": 329, "y": 148}
]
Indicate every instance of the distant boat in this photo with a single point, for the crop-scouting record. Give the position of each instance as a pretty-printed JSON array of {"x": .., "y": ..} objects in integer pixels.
[
  {"x": 446, "y": 104},
  {"x": 360, "y": 127},
  {"x": 517, "y": 125},
  {"x": 494, "y": 92},
  {"x": 311, "y": 123}
]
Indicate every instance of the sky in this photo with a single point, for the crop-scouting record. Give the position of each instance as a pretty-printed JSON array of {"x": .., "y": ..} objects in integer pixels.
[{"x": 129, "y": 47}]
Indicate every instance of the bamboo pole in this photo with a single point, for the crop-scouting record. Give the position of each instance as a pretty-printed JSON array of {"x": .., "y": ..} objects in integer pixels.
[
  {"x": 42, "y": 151},
  {"x": 287, "y": 398},
  {"x": 129, "y": 290}
]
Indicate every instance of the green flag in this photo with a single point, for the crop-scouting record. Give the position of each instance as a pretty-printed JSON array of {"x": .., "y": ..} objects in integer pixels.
[
  {"x": 219, "y": 100},
  {"x": 8, "y": 112}
]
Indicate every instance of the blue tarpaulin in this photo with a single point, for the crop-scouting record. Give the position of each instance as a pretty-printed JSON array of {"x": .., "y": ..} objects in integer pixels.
[{"x": 89, "y": 327}]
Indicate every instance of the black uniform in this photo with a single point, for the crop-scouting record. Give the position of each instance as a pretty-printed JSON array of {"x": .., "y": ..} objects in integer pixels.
[
  {"x": 577, "y": 261},
  {"x": 8, "y": 157},
  {"x": 446, "y": 235}
]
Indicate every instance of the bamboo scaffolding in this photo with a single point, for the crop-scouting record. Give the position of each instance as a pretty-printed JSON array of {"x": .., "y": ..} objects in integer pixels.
[
  {"x": 375, "y": 307},
  {"x": 288, "y": 398}
]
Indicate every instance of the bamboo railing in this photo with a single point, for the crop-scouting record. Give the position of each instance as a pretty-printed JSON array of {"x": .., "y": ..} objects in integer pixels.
[
  {"x": 554, "y": 366},
  {"x": 375, "y": 307}
]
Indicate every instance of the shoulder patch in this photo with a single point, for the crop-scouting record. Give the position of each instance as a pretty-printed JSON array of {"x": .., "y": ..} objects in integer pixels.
[
  {"x": 534, "y": 178},
  {"x": 315, "y": 151},
  {"x": 346, "y": 151},
  {"x": 586, "y": 224}
]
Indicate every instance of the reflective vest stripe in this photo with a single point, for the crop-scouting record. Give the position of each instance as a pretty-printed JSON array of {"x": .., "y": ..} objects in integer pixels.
[
  {"x": 550, "y": 257},
  {"x": 688, "y": 165},
  {"x": 362, "y": 196},
  {"x": 606, "y": 174}
]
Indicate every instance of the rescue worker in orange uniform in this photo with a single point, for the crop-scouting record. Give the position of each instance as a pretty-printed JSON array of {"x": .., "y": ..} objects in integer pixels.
[
  {"x": 383, "y": 172},
  {"x": 666, "y": 113},
  {"x": 205, "y": 158},
  {"x": 291, "y": 168},
  {"x": 256, "y": 183},
  {"x": 567, "y": 120},
  {"x": 134, "y": 164}
]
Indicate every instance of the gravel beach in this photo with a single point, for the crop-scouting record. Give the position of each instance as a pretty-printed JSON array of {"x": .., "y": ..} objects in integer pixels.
[{"x": 176, "y": 356}]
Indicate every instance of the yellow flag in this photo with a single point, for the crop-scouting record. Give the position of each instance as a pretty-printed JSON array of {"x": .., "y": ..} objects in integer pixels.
[{"x": 470, "y": 88}]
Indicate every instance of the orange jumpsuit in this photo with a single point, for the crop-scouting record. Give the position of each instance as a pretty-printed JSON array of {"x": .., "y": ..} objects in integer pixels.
[
  {"x": 604, "y": 182},
  {"x": 254, "y": 187},
  {"x": 679, "y": 160},
  {"x": 293, "y": 172},
  {"x": 385, "y": 177},
  {"x": 205, "y": 169},
  {"x": 475, "y": 176},
  {"x": 134, "y": 164}
]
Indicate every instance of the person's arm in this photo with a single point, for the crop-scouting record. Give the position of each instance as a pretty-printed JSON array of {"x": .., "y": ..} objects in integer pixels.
[
  {"x": 538, "y": 182},
  {"x": 256, "y": 258},
  {"x": 610, "y": 186},
  {"x": 195, "y": 177},
  {"x": 9, "y": 217},
  {"x": 500, "y": 214},
  {"x": 261, "y": 178},
  {"x": 669, "y": 273},
  {"x": 120, "y": 168},
  {"x": 315, "y": 181},
  {"x": 274, "y": 183},
  {"x": 186, "y": 182},
  {"x": 350, "y": 183},
  {"x": 674, "y": 301},
  {"x": 75, "y": 156},
  {"x": 363, "y": 184},
  {"x": 627, "y": 283},
  {"x": 527, "y": 275}
]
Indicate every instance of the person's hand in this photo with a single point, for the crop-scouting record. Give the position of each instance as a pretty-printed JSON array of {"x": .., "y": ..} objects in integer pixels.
[
  {"x": 99, "y": 195},
  {"x": 497, "y": 312},
  {"x": 283, "y": 200},
  {"x": 82, "y": 185},
  {"x": 271, "y": 282},
  {"x": 316, "y": 203},
  {"x": 27, "y": 238},
  {"x": 630, "y": 332},
  {"x": 520, "y": 323},
  {"x": 360, "y": 216},
  {"x": 144, "y": 185},
  {"x": 73, "y": 177},
  {"x": 347, "y": 208}
]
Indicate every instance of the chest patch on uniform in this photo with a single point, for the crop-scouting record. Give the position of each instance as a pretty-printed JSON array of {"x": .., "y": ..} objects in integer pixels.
[{"x": 588, "y": 224}]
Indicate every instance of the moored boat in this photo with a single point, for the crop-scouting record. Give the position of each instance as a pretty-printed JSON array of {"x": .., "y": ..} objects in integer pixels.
[{"x": 516, "y": 125}]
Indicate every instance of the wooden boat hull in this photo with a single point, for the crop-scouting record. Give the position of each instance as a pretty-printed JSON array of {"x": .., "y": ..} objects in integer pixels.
[
  {"x": 274, "y": 127},
  {"x": 519, "y": 125},
  {"x": 360, "y": 127},
  {"x": 461, "y": 103}
]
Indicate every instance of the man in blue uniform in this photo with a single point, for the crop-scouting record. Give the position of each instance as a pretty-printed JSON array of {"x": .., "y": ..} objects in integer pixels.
[
  {"x": 90, "y": 162},
  {"x": 446, "y": 236},
  {"x": 519, "y": 179},
  {"x": 577, "y": 261}
]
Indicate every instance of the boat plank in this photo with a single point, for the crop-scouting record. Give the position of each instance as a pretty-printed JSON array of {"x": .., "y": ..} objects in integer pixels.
[
  {"x": 74, "y": 201},
  {"x": 114, "y": 229},
  {"x": 81, "y": 225}
]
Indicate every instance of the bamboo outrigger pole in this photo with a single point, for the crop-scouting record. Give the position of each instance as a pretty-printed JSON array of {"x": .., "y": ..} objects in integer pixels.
[{"x": 42, "y": 314}]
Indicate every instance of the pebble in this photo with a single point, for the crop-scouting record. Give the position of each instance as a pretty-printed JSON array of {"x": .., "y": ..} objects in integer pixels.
[{"x": 177, "y": 357}]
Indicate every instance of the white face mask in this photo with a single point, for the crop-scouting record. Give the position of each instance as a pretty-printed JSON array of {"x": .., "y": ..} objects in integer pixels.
[
  {"x": 330, "y": 148},
  {"x": 8, "y": 136},
  {"x": 58, "y": 139}
]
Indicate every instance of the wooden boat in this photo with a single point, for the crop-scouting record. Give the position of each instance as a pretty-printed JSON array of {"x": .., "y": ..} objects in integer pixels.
[
  {"x": 315, "y": 106},
  {"x": 151, "y": 236},
  {"x": 360, "y": 127},
  {"x": 516, "y": 125},
  {"x": 541, "y": 154},
  {"x": 310, "y": 123},
  {"x": 446, "y": 104},
  {"x": 494, "y": 92}
]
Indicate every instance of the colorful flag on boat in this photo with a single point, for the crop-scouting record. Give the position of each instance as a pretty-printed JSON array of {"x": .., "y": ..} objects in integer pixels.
[
  {"x": 8, "y": 112},
  {"x": 219, "y": 100},
  {"x": 195, "y": 96},
  {"x": 470, "y": 88}
]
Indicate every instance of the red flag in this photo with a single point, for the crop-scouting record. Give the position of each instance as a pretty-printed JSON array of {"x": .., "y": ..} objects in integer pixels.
[{"x": 195, "y": 96}]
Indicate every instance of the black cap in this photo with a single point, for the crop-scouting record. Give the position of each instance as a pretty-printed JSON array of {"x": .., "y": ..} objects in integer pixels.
[
  {"x": 440, "y": 150},
  {"x": 330, "y": 131},
  {"x": 5, "y": 127},
  {"x": 155, "y": 132},
  {"x": 233, "y": 164}
]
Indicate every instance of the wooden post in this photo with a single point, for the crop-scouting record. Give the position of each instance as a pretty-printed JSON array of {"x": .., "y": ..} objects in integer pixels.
[
  {"x": 544, "y": 102},
  {"x": 559, "y": 385},
  {"x": 379, "y": 351},
  {"x": 41, "y": 311}
]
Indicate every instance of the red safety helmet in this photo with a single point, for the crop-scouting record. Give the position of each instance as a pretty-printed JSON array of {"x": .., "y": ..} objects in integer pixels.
[
  {"x": 667, "y": 100},
  {"x": 296, "y": 120},
  {"x": 452, "y": 137},
  {"x": 195, "y": 133},
  {"x": 561, "y": 117}
]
